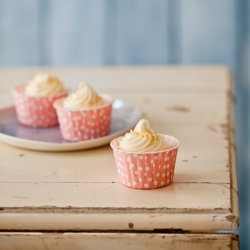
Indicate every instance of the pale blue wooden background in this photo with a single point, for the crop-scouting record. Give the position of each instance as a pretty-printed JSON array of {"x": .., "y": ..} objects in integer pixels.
[{"x": 118, "y": 32}]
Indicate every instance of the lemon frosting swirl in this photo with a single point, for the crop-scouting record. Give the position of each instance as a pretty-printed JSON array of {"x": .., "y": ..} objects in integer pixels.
[
  {"x": 84, "y": 97},
  {"x": 142, "y": 139},
  {"x": 44, "y": 85}
]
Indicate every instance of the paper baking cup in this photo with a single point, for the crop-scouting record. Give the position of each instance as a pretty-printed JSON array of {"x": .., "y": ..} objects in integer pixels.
[
  {"x": 146, "y": 170},
  {"x": 85, "y": 124},
  {"x": 35, "y": 111}
]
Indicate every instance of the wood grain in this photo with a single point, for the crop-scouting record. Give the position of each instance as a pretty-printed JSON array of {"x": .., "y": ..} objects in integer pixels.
[
  {"x": 132, "y": 241},
  {"x": 58, "y": 187}
]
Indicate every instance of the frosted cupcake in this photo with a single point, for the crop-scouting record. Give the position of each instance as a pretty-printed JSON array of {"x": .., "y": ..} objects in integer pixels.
[
  {"x": 84, "y": 115},
  {"x": 144, "y": 158},
  {"x": 34, "y": 100}
]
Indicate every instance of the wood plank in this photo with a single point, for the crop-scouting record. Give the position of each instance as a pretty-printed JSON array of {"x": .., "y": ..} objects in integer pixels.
[
  {"x": 81, "y": 40},
  {"x": 180, "y": 108},
  {"x": 109, "y": 32},
  {"x": 195, "y": 162},
  {"x": 242, "y": 79},
  {"x": 46, "y": 32},
  {"x": 174, "y": 32},
  {"x": 177, "y": 197},
  {"x": 232, "y": 159},
  {"x": 206, "y": 35},
  {"x": 112, "y": 221},
  {"x": 202, "y": 192},
  {"x": 142, "y": 32},
  {"x": 123, "y": 78},
  {"x": 132, "y": 241},
  {"x": 19, "y": 33}
]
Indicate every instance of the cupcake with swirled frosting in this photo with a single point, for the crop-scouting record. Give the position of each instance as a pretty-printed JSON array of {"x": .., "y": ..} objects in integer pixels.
[
  {"x": 143, "y": 139},
  {"x": 44, "y": 85},
  {"x": 84, "y": 114},
  {"x": 144, "y": 158},
  {"x": 84, "y": 98},
  {"x": 34, "y": 100}
]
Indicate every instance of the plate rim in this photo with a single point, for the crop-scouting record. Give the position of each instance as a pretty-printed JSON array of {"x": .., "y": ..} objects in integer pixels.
[{"x": 61, "y": 147}]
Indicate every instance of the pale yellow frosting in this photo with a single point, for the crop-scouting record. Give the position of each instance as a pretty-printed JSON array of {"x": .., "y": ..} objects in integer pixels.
[
  {"x": 85, "y": 97},
  {"x": 143, "y": 139},
  {"x": 44, "y": 85}
]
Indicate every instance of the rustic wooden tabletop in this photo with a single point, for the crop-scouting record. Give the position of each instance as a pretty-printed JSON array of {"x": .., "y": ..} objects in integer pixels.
[{"x": 79, "y": 191}]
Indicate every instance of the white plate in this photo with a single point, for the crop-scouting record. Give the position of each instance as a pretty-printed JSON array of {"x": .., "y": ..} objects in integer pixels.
[{"x": 124, "y": 117}]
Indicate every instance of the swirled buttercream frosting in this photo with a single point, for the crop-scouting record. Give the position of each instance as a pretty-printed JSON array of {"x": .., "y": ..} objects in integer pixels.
[
  {"x": 142, "y": 139},
  {"x": 85, "y": 97},
  {"x": 44, "y": 85}
]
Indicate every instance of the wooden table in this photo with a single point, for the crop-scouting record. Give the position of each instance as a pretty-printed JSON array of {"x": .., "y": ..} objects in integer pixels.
[{"x": 74, "y": 199}]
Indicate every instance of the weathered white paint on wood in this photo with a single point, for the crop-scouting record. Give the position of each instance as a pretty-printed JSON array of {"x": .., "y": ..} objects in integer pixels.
[
  {"x": 64, "y": 189},
  {"x": 193, "y": 162},
  {"x": 210, "y": 78},
  {"x": 178, "y": 197},
  {"x": 51, "y": 219},
  {"x": 60, "y": 241}
]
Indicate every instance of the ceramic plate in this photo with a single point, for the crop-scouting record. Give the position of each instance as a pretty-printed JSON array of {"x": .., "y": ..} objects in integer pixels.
[{"x": 124, "y": 117}]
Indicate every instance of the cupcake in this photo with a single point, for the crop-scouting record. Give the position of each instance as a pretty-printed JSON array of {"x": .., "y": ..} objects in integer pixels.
[
  {"x": 144, "y": 158},
  {"x": 84, "y": 115},
  {"x": 34, "y": 100}
]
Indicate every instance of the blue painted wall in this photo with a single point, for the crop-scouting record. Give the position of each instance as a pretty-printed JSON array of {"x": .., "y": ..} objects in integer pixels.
[
  {"x": 118, "y": 32},
  {"x": 242, "y": 75},
  {"x": 98, "y": 32}
]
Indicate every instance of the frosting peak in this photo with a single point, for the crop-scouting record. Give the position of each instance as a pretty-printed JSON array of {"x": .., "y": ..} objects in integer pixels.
[
  {"x": 143, "y": 127},
  {"x": 143, "y": 139},
  {"x": 44, "y": 85},
  {"x": 84, "y": 97}
]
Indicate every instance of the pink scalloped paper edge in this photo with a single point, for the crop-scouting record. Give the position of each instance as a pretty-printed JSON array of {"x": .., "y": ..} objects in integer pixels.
[
  {"x": 146, "y": 170},
  {"x": 85, "y": 124},
  {"x": 35, "y": 111}
]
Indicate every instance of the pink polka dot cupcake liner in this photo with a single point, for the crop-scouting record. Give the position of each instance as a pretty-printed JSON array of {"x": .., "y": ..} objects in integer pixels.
[
  {"x": 35, "y": 111},
  {"x": 146, "y": 170},
  {"x": 86, "y": 124}
]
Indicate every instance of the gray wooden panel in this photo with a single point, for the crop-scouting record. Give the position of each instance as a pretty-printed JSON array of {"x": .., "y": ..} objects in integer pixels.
[
  {"x": 207, "y": 31},
  {"x": 45, "y": 32},
  {"x": 174, "y": 32},
  {"x": 19, "y": 32},
  {"x": 142, "y": 32},
  {"x": 78, "y": 31},
  {"x": 242, "y": 117},
  {"x": 110, "y": 32}
]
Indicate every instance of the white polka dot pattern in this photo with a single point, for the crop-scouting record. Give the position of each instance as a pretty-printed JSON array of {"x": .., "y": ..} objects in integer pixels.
[
  {"x": 35, "y": 111},
  {"x": 145, "y": 170},
  {"x": 86, "y": 124}
]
